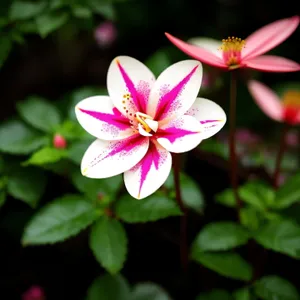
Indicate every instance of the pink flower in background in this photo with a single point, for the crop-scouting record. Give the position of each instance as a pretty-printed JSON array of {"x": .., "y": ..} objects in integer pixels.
[
  {"x": 285, "y": 110},
  {"x": 246, "y": 136},
  {"x": 59, "y": 141},
  {"x": 292, "y": 139},
  {"x": 35, "y": 292},
  {"x": 105, "y": 34},
  {"x": 143, "y": 120},
  {"x": 234, "y": 52}
]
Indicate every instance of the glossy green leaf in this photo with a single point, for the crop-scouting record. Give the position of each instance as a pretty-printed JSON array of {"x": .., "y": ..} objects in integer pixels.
[
  {"x": 39, "y": 113},
  {"x": 226, "y": 198},
  {"x": 149, "y": 291},
  {"x": 17, "y": 138},
  {"x": 108, "y": 242},
  {"x": 77, "y": 150},
  {"x": 60, "y": 219},
  {"x": 250, "y": 217},
  {"x": 242, "y": 294},
  {"x": 22, "y": 10}
]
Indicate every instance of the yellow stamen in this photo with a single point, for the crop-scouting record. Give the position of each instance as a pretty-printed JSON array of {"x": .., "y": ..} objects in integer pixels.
[
  {"x": 291, "y": 98},
  {"x": 232, "y": 44},
  {"x": 141, "y": 119}
]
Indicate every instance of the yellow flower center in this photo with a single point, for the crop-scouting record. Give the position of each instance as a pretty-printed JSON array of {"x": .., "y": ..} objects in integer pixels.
[
  {"x": 291, "y": 98},
  {"x": 141, "y": 117},
  {"x": 232, "y": 48}
]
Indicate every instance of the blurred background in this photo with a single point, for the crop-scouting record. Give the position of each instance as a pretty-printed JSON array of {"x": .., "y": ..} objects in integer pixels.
[{"x": 60, "y": 50}]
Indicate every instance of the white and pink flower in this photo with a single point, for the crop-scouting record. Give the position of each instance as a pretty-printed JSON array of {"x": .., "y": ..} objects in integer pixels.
[{"x": 143, "y": 120}]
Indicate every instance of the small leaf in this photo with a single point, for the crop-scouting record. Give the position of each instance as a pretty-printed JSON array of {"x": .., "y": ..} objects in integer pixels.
[
  {"x": 50, "y": 21},
  {"x": 149, "y": 291},
  {"x": 73, "y": 131},
  {"x": 158, "y": 62},
  {"x": 220, "y": 236},
  {"x": 17, "y": 138},
  {"x": 227, "y": 264},
  {"x": 27, "y": 184},
  {"x": 226, "y": 198},
  {"x": 242, "y": 294},
  {"x": 108, "y": 242},
  {"x": 149, "y": 209},
  {"x": 282, "y": 236},
  {"x": 274, "y": 287},
  {"x": 5, "y": 48},
  {"x": 109, "y": 287},
  {"x": 257, "y": 194},
  {"x": 216, "y": 294},
  {"x": 46, "y": 156},
  {"x": 39, "y": 113},
  {"x": 60, "y": 219},
  {"x": 22, "y": 10},
  {"x": 77, "y": 149},
  {"x": 288, "y": 194},
  {"x": 250, "y": 218}
]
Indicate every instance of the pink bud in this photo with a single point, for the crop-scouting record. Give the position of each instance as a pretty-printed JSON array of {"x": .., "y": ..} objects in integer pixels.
[
  {"x": 105, "y": 34},
  {"x": 59, "y": 141},
  {"x": 35, "y": 292},
  {"x": 292, "y": 139}
]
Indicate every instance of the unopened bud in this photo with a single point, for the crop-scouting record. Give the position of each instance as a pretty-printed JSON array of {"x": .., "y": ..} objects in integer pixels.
[{"x": 59, "y": 142}]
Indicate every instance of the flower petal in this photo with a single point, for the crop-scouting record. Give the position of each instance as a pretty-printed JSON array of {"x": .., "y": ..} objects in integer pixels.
[
  {"x": 266, "y": 99},
  {"x": 180, "y": 135},
  {"x": 175, "y": 90},
  {"x": 108, "y": 158},
  {"x": 208, "y": 44},
  {"x": 150, "y": 173},
  {"x": 100, "y": 118},
  {"x": 269, "y": 36},
  {"x": 210, "y": 115},
  {"x": 272, "y": 63},
  {"x": 129, "y": 83},
  {"x": 199, "y": 53}
]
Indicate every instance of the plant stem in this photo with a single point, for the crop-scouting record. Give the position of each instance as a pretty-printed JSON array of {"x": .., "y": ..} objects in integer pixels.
[
  {"x": 232, "y": 146},
  {"x": 282, "y": 147},
  {"x": 183, "y": 219}
]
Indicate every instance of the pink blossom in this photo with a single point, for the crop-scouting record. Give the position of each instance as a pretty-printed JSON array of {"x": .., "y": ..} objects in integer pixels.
[
  {"x": 35, "y": 292},
  {"x": 59, "y": 141},
  {"x": 235, "y": 53},
  {"x": 285, "y": 110},
  {"x": 105, "y": 34}
]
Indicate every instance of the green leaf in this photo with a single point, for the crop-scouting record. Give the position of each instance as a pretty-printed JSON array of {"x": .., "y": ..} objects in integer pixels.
[
  {"x": 282, "y": 236},
  {"x": 242, "y": 294},
  {"x": 80, "y": 11},
  {"x": 39, "y": 113},
  {"x": 2, "y": 198},
  {"x": 27, "y": 184},
  {"x": 288, "y": 194},
  {"x": 220, "y": 236},
  {"x": 108, "y": 242},
  {"x": 5, "y": 48},
  {"x": 257, "y": 194},
  {"x": 105, "y": 9},
  {"x": 81, "y": 94},
  {"x": 150, "y": 209},
  {"x": 274, "y": 287},
  {"x": 50, "y": 21},
  {"x": 158, "y": 62},
  {"x": 17, "y": 138},
  {"x": 45, "y": 156},
  {"x": 215, "y": 147},
  {"x": 22, "y": 10},
  {"x": 149, "y": 291},
  {"x": 227, "y": 264},
  {"x": 250, "y": 218},
  {"x": 109, "y": 287},
  {"x": 62, "y": 218},
  {"x": 73, "y": 131},
  {"x": 216, "y": 294},
  {"x": 226, "y": 198},
  {"x": 77, "y": 149}
]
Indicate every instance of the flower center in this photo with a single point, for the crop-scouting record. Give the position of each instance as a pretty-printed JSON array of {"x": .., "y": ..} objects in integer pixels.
[
  {"x": 232, "y": 48},
  {"x": 291, "y": 103},
  {"x": 146, "y": 125}
]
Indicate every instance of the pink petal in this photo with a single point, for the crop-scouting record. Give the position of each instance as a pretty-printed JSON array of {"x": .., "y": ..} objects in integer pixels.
[
  {"x": 98, "y": 116},
  {"x": 126, "y": 75},
  {"x": 197, "y": 52},
  {"x": 180, "y": 135},
  {"x": 269, "y": 36},
  {"x": 109, "y": 158},
  {"x": 272, "y": 63},
  {"x": 266, "y": 99},
  {"x": 175, "y": 90},
  {"x": 150, "y": 173}
]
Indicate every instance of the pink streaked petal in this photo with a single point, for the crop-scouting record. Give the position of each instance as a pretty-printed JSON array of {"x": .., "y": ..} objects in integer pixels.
[
  {"x": 266, "y": 99},
  {"x": 108, "y": 158},
  {"x": 271, "y": 63},
  {"x": 100, "y": 118},
  {"x": 208, "y": 44},
  {"x": 210, "y": 115},
  {"x": 126, "y": 75},
  {"x": 198, "y": 53},
  {"x": 175, "y": 90},
  {"x": 150, "y": 173},
  {"x": 180, "y": 135},
  {"x": 269, "y": 36}
]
